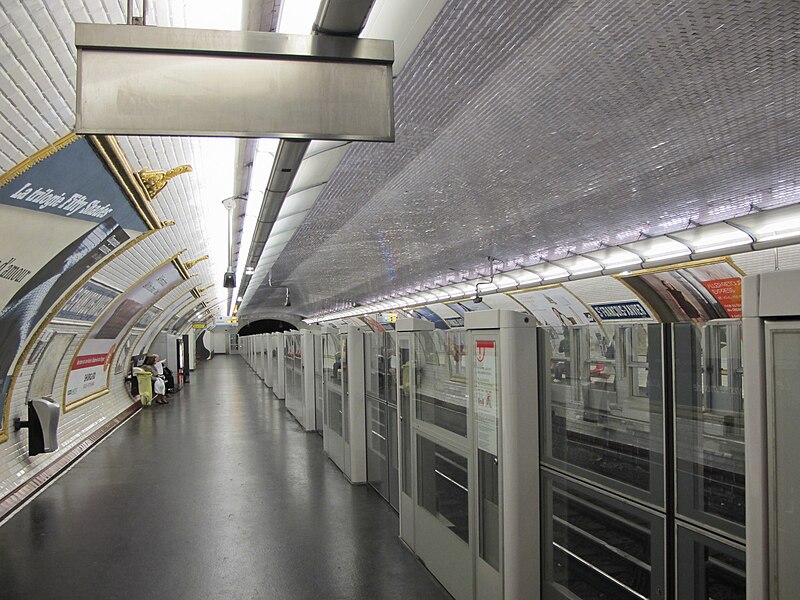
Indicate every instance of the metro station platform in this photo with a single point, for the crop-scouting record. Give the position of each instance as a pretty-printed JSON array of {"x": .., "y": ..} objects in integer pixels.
[{"x": 217, "y": 495}]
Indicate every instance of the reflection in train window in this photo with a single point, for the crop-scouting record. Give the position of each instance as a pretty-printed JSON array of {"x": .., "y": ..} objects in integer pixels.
[
  {"x": 602, "y": 405},
  {"x": 442, "y": 485}
]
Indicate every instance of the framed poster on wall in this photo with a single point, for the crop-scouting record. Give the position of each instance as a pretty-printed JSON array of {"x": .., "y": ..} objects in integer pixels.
[
  {"x": 63, "y": 213},
  {"x": 691, "y": 292},
  {"x": 90, "y": 370},
  {"x": 44, "y": 374}
]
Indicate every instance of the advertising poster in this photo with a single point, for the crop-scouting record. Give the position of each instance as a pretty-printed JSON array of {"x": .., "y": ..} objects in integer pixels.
[
  {"x": 148, "y": 317},
  {"x": 58, "y": 219},
  {"x": 90, "y": 368},
  {"x": 373, "y": 324},
  {"x": 691, "y": 293},
  {"x": 185, "y": 313},
  {"x": 44, "y": 374},
  {"x": 424, "y": 312},
  {"x": 555, "y": 306},
  {"x": 465, "y": 306},
  {"x": 486, "y": 396},
  {"x": 502, "y": 301},
  {"x": 124, "y": 353}
]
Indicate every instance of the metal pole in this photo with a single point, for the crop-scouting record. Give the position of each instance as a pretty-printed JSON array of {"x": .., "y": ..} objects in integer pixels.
[{"x": 130, "y": 12}]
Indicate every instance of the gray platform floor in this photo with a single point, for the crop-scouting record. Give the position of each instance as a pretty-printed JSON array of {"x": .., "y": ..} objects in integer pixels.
[{"x": 217, "y": 495}]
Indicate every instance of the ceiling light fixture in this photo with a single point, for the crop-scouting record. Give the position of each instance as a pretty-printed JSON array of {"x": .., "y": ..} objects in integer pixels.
[{"x": 297, "y": 16}]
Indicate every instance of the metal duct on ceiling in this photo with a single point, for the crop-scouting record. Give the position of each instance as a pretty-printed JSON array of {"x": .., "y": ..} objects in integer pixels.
[{"x": 335, "y": 17}]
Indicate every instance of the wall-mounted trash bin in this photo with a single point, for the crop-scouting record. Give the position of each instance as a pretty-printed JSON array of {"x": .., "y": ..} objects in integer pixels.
[{"x": 42, "y": 426}]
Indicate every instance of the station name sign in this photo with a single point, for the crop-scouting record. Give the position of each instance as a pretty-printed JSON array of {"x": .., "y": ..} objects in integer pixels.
[{"x": 619, "y": 311}]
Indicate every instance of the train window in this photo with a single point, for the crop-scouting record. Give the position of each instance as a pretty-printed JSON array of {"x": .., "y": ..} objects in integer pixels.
[
  {"x": 442, "y": 485},
  {"x": 602, "y": 405}
]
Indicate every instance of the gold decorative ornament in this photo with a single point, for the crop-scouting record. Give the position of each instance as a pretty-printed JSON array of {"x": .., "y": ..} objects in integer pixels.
[
  {"x": 192, "y": 263},
  {"x": 154, "y": 181}
]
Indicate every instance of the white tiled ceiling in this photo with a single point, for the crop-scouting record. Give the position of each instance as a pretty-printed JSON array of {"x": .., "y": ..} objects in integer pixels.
[{"x": 530, "y": 130}]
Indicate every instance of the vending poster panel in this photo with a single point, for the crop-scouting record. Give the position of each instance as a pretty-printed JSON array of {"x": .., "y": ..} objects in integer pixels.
[
  {"x": 61, "y": 214},
  {"x": 90, "y": 369},
  {"x": 691, "y": 292}
]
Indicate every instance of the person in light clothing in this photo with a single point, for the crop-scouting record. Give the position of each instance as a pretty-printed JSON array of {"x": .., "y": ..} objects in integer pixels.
[{"x": 156, "y": 368}]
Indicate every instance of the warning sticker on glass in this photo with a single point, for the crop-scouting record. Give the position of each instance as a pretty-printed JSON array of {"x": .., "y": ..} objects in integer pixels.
[{"x": 486, "y": 398}]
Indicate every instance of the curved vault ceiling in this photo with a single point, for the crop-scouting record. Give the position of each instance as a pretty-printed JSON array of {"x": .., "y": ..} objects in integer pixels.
[{"x": 533, "y": 129}]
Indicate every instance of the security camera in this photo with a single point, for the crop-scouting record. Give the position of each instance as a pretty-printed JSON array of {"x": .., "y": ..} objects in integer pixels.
[{"x": 477, "y": 299}]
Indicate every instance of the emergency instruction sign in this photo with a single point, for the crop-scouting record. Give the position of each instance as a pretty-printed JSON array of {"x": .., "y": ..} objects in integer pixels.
[{"x": 486, "y": 394}]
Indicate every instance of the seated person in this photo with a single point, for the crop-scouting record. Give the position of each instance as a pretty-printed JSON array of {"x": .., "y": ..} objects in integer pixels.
[{"x": 153, "y": 367}]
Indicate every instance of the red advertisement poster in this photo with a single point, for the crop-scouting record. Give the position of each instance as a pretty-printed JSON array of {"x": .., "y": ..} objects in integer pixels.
[{"x": 728, "y": 292}]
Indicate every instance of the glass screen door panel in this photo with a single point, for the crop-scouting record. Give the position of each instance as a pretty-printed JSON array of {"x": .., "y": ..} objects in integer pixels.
[
  {"x": 404, "y": 391},
  {"x": 333, "y": 392},
  {"x": 602, "y": 399},
  {"x": 318, "y": 398},
  {"x": 708, "y": 568},
  {"x": 441, "y": 387},
  {"x": 709, "y": 425},
  {"x": 442, "y": 516},
  {"x": 596, "y": 546},
  {"x": 404, "y": 369}
]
